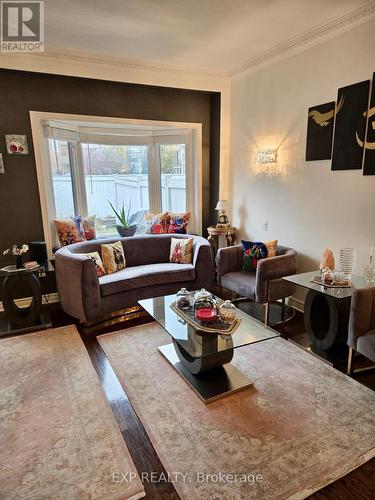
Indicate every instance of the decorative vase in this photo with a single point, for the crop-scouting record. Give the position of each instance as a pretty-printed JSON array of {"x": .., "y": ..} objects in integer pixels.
[
  {"x": 124, "y": 231},
  {"x": 347, "y": 261},
  {"x": 19, "y": 264}
]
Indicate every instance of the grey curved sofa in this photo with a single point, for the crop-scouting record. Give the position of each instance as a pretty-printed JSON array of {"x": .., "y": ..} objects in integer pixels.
[{"x": 148, "y": 274}]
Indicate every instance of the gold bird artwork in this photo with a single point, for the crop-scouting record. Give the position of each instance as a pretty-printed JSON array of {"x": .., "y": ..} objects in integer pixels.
[{"x": 323, "y": 119}]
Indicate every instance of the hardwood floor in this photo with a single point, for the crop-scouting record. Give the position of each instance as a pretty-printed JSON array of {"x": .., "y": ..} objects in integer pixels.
[{"x": 359, "y": 484}]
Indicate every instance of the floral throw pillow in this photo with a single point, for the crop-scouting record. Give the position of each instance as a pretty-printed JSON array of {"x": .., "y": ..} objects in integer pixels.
[
  {"x": 271, "y": 248},
  {"x": 181, "y": 251},
  {"x": 253, "y": 252},
  {"x": 157, "y": 223},
  {"x": 67, "y": 232},
  {"x": 88, "y": 225},
  {"x": 113, "y": 257},
  {"x": 178, "y": 222},
  {"x": 99, "y": 267}
]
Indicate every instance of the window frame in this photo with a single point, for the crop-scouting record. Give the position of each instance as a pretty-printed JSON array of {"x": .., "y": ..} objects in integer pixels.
[{"x": 158, "y": 133}]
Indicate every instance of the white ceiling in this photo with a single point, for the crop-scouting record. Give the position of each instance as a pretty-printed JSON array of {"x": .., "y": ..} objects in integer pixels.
[{"x": 219, "y": 36}]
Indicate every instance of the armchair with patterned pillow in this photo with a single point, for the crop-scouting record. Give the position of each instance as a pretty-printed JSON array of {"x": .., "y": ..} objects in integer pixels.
[{"x": 264, "y": 284}]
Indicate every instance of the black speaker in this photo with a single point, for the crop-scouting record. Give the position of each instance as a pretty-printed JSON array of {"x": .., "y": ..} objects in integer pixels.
[{"x": 38, "y": 251}]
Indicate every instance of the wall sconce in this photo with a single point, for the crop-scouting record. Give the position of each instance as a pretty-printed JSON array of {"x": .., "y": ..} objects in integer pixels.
[{"x": 266, "y": 162}]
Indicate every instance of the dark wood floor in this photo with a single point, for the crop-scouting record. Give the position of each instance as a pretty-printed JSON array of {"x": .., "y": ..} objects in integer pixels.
[{"x": 360, "y": 484}]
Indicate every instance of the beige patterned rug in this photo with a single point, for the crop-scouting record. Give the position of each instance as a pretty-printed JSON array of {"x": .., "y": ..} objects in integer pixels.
[
  {"x": 302, "y": 426},
  {"x": 58, "y": 437}
]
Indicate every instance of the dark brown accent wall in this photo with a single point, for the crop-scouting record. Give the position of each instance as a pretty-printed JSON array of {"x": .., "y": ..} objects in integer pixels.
[{"x": 22, "y": 92}]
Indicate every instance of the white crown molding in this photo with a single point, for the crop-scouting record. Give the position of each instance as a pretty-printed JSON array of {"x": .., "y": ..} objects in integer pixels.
[
  {"x": 76, "y": 56},
  {"x": 309, "y": 38}
]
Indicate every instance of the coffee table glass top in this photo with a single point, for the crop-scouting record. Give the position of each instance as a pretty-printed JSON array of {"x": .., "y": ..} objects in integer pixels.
[
  {"x": 200, "y": 344},
  {"x": 304, "y": 280}
]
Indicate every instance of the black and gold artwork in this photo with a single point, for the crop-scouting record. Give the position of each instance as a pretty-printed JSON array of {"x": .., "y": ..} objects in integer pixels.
[
  {"x": 319, "y": 131},
  {"x": 369, "y": 144},
  {"x": 350, "y": 126}
]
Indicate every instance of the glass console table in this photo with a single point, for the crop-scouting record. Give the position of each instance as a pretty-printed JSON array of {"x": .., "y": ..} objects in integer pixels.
[
  {"x": 203, "y": 359},
  {"x": 326, "y": 315}
]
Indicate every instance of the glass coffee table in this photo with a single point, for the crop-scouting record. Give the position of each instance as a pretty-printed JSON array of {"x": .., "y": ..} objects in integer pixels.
[{"x": 201, "y": 358}]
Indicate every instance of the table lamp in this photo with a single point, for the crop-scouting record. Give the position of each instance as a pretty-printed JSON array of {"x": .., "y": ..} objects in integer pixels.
[{"x": 222, "y": 220}]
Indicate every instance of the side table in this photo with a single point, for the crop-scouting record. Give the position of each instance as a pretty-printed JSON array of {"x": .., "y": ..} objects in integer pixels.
[
  {"x": 22, "y": 319},
  {"x": 213, "y": 237}
]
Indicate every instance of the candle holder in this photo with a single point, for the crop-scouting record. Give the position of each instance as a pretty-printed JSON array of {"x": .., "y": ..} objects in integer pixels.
[{"x": 205, "y": 308}]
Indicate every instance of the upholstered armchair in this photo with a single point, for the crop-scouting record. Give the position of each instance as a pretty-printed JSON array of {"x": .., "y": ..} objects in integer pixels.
[
  {"x": 361, "y": 335},
  {"x": 263, "y": 286}
]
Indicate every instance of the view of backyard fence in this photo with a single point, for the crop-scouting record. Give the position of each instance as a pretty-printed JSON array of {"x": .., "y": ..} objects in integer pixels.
[{"x": 119, "y": 189}]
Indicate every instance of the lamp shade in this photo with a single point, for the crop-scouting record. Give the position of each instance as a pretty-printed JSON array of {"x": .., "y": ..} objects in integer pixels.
[{"x": 222, "y": 205}]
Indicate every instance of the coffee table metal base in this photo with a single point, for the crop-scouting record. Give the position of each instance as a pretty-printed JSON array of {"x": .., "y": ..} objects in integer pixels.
[{"x": 212, "y": 384}]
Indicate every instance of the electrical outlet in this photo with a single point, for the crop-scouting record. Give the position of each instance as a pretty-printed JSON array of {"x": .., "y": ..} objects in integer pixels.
[{"x": 265, "y": 226}]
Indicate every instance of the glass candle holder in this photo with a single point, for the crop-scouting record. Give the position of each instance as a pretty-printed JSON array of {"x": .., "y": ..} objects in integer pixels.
[
  {"x": 205, "y": 307},
  {"x": 227, "y": 312},
  {"x": 183, "y": 299}
]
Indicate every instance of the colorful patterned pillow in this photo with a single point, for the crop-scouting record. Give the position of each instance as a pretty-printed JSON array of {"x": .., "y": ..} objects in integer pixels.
[
  {"x": 85, "y": 226},
  {"x": 113, "y": 257},
  {"x": 157, "y": 223},
  {"x": 178, "y": 222},
  {"x": 252, "y": 253},
  {"x": 271, "y": 248},
  {"x": 67, "y": 232},
  {"x": 181, "y": 251},
  {"x": 77, "y": 219},
  {"x": 88, "y": 224},
  {"x": 99, "y": 267}
]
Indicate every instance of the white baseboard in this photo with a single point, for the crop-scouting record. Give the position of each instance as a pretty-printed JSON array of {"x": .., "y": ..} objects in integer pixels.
[{"x": 50, "y": 298}]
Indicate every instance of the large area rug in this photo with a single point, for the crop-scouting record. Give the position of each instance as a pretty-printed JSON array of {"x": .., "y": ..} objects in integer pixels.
[
  {"x": 58, "y": 437},
  {"x": 302, "y": 426}
]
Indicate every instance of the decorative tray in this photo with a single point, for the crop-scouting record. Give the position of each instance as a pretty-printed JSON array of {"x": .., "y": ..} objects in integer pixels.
[
  {"x": 341, "y": 284},
  {"x": 215, "y": 327}
]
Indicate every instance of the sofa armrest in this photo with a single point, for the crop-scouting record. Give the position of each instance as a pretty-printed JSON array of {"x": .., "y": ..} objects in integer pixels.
[
  {"x": 77, "y": 284},
  {"x": 202, "y": 261},
  {"x": 273, "y": 268},
  {"x": 362, "y": 314},
  {"x": 228, "y": 260}
]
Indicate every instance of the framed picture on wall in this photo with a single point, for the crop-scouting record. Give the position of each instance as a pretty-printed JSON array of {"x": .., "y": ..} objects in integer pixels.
[
  {"x": 16, "y": 144},
  {"x": 369, "y": 144},
  {"x": 320, "y": 131},
  {"x": 350, "y": 124}
]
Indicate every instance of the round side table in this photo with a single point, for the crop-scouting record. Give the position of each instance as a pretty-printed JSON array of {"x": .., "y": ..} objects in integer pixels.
[
  {"x": 213, "y": 237},
  {"x": 21, "y": 316}
]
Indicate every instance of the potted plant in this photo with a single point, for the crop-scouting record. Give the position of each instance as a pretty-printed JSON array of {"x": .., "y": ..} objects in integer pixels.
[{"x": 128, "y": 223}]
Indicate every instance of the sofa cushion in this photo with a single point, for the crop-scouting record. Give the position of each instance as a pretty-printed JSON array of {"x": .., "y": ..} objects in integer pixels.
[
  {"x": 144, "y": 276},
  {"x": 241, "y": 282}
]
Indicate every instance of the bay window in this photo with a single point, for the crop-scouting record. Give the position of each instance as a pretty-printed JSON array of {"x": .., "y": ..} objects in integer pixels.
[{"x": 84, "y": 165}]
